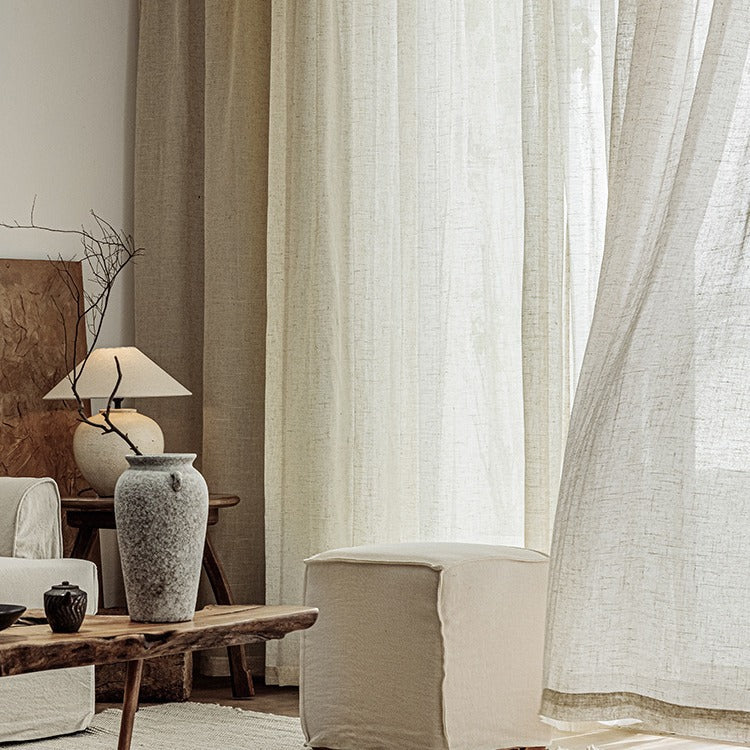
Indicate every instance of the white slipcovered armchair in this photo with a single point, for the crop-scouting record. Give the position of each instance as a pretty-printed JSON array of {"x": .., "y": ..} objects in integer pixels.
[{"x": 61, "y": 701}]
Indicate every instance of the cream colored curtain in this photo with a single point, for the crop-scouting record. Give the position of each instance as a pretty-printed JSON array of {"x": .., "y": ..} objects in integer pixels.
[
  {"x": 566, "y": 79},
  {"x": 648, "y": 616},
  {"x": 200, "y": 213},
  {"x": 435, "y": 171}
]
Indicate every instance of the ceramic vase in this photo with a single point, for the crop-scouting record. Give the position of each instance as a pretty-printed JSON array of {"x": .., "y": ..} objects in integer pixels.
[{"x": 161, "y": 509}]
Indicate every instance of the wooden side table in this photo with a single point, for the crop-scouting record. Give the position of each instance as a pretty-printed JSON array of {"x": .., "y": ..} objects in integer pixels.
[{"x": 89, "y": 514}]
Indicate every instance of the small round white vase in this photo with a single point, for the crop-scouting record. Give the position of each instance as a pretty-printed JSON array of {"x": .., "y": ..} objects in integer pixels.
[
  {"x": 101, "y": 458},
  {"x": 161, "y": 510}
]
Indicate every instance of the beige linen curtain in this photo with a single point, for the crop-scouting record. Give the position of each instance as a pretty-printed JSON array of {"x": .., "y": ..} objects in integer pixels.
[
  {"x": 200, "y": 213},
  {"x": 437, "y": 190},
  {"x": 566, "y": 94},
  {"x": 649, "y": 612}
]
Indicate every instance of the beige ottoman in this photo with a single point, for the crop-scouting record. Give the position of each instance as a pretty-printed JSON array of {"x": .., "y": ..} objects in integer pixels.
[{"x": 424, "y": 647}]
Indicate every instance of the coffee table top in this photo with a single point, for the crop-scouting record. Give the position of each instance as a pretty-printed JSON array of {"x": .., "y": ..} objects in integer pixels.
[{"x": 104, "y": 639}]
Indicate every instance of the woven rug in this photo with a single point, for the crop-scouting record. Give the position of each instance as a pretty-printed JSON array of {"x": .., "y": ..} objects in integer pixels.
[{"x": 184, "y": 726}]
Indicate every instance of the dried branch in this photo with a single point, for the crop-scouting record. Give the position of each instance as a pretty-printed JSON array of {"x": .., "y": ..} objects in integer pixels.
[
  {"x": 108, "y": 426},
  {"x": 106, "y": 252}
]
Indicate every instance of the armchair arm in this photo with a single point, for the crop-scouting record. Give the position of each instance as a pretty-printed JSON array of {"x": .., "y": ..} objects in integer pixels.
[
  {"x": 30, "y": 518},
  {"x": 24, "y": 581}
]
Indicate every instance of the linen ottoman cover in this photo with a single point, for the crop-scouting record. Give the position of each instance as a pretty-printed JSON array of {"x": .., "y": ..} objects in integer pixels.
[{"x": 424, "y": 645}]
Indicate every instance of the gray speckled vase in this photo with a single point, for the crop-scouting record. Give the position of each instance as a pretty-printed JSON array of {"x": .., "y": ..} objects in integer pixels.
[{"x": 161, "y": 509}]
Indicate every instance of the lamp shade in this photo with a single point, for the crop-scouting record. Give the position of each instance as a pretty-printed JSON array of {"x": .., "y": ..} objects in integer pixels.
[{"x": 141, "y": 377}]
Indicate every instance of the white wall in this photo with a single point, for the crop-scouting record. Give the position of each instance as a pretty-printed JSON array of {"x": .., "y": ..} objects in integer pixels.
[{"x": 67, "y": 107}]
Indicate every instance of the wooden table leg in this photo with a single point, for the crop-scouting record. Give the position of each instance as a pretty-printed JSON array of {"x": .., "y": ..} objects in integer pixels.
[
  {"x": 130, "y": 703},
  {"x": 84, "y": 542},
  {"x": 83, "y": 548},
  {"x": 242, "y": 679}
]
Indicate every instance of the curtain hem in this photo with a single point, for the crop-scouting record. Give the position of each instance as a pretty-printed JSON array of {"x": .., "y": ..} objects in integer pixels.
[
  {"x": 653, "y": 714},
  {"x": 282, "y": 675}
]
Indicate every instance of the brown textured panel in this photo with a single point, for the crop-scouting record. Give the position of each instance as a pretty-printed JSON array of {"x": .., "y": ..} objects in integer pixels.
[{"x": 36, "y": 435}]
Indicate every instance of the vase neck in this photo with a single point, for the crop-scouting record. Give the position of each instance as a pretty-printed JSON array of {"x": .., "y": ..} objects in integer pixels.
[{"x": 158, "y": 461}]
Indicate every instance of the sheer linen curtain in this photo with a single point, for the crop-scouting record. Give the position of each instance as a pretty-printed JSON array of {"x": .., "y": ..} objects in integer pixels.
[
  {"x": 401, "y": 198},
  {"x": 566, "y": 79},
  {"x": 649, "y": 612}
]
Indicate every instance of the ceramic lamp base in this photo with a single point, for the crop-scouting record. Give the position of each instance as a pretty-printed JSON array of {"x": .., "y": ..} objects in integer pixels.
[{"x": 101, "y": 458}]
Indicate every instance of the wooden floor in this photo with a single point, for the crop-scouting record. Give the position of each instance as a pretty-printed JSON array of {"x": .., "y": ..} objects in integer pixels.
[{"x": 269, "y": 699}]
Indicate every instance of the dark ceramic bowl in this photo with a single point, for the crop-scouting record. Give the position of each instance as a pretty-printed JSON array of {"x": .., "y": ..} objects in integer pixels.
[{"x": 9, "y": 613}]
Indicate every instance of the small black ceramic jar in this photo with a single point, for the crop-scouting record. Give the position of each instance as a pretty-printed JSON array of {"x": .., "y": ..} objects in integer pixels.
[{"x": 65, "y": 606}]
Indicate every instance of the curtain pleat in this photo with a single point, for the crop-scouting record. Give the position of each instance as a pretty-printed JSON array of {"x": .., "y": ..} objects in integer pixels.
[
  {"x": 200, "y": 213},
  {"x": 168, "y": 205},
  {"x": 567, "y": 58},
  {"x": 234, "y": 292},
  {"x": 545, "y": 322}
]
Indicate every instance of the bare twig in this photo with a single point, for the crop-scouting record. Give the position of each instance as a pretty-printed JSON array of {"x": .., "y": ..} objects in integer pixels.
[{"x": 108, "y": 426}]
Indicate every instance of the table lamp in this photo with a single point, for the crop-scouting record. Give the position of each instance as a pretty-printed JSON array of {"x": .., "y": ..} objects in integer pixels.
[{"x": 100, "y": 457}]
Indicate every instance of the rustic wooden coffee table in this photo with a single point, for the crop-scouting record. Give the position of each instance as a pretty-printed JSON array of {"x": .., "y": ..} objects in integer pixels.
[{"x": 104, "y": 639}]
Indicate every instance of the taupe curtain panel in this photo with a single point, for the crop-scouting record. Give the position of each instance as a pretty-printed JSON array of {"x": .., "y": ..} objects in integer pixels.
[{"x": 200, "y": 214}]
